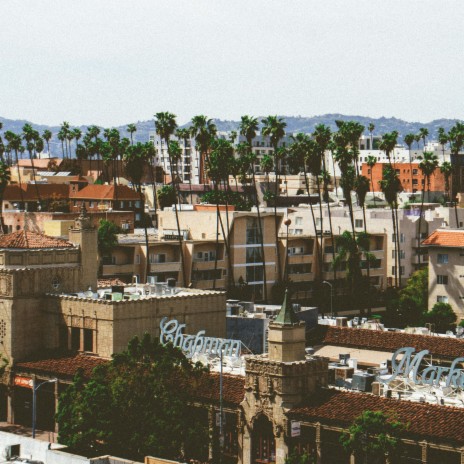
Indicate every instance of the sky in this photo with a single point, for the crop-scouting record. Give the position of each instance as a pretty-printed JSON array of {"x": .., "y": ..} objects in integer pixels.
[{"x": 112, "y": 62}]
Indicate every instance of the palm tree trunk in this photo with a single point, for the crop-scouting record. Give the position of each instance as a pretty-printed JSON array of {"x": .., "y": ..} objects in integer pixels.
[
  {"x": 372, "y": 184},
  {"x": 276, "y": 223},
  {"x": 261, "y": 236},
  {"x": 398, "y": 249},
  {"x": 396, "y": 246},
  {"x": 419, "y": 231}
]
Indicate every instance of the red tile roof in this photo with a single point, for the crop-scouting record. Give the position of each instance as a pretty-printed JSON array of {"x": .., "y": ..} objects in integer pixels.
[
  {"x": 25, "y": 239},
  {"x": 233, "y": 388},
  {"x": 39, "y": 163},
  {"x": 103, "y": 283},
  {"x": 391, "y": 341},
  {"x": 106, "y": 192},
  {"x": 426, "y": 420},
  {"x": 445, "y": 238},
  {"x": 29, "y": 192},
  {"x": 64, "y": 366}
]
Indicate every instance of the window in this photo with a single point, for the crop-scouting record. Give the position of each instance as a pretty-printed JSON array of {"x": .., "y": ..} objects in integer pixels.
[
  {"x": 296, "y": 251},
  {"x": 442, "y": 299},
  {"x": 298, "y": 221},
  {"x": 414, "y": 172},
  {"x": 252, "y": 231},
  {"x": 304, "y": 268},
  {"x": 394, "y": 270},
  {"x": 88, "y": 340},
  {"x": 442, "y": 258},
  {"x": 393, "y": 238},
  {"x": 75, "y": 338},
  {"x": 442, "y": 279},
  {"x": 254, "y": 255},
  {"x": 137, "y": 259},
  {"x": 298, "y": 231},
  {"x": 254, "y": 273},
  {"x": 358, "y": 222}
]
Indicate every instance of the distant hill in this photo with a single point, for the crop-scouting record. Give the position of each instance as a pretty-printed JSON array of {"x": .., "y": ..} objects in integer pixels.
[{"x": 294, "y": 124}]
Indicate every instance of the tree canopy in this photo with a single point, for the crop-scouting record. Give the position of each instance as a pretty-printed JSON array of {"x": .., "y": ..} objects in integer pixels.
[
  {"x": 136, "y": 405},
  {"x": 442, "y": 316},
  {"x": 107, "y": 236}
]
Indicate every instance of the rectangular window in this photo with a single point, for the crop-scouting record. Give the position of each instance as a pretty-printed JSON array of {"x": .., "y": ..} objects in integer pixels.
[
  {"x": 137, "y": 259},
  {"x": 254, "y": 274},
  {"x": 442, "y": 299},
  {"x": 254, "y": 255},
  {"x": 75, "y": 338},
  {"x": 358, "y": 222},
  {"x": 393, "y": 238},
  {"x": 88, "y": 340},
  {"x": 442, "y": 279},
  {"x": 252, "y": 231},
  {"x": 414, "y": 172},
  {"x": 442, "y": 258},
  {"x": 298, "y": 221}
]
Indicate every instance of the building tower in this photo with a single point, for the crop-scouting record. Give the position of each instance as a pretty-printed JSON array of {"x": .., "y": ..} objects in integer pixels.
[
  {"x": 85, "y": 235},
  {"x": 276, "y": 382}
]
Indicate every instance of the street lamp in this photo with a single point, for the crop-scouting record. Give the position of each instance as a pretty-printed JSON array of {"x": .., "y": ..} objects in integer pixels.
[
  {"x": 34, "y": 401},
  {"x": 331, "y": 296}
]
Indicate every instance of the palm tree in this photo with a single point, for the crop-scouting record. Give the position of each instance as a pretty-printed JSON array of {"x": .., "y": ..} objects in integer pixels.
[
  {"x": 371, "y": 128},
  {"x": 131, "y": 128},
  {"x": 391, "y": 186},
  {"x": 64, "y": 130},
  {"x": 28, "y": 136},
  {"x": 47, "y": 135},
  {"x": 203, "y": 130},
  {"x": 249, "y": 128},
  {"x": 443, "y": 139},
  {"x": 417, "y": 139},
  {"x": 14, "y": 145},
  {"x": 77, "y": 134},
  {"x": 428, "y": 165},
  {"x": 409, "y": 140},
  {"x": 274, "y": 128},
  {"x": 456, "y": 139},
  {"x": 166, "y": 125},
  {"x": 424, "y": 133},
  {"x": 446, "y": 169},
  {"x": 371, "y": 162},
  {"x": 5, "y": 177}
]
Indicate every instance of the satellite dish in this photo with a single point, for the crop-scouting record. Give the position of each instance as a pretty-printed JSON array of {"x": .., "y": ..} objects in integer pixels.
[{"x": 88, "y": 294}]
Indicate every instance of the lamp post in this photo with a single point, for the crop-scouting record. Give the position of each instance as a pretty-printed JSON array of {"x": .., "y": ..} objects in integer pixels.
[
  {"x": 34, "y": 401},
  {"x": 331, "y": 296}
]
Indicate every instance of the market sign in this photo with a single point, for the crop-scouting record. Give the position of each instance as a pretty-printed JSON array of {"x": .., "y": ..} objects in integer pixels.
[
  {"x": 25, "y": 382},
  {"x": 171, "y": 331},
  {"x": 408, "y": 366},
  {"x": 295, "y": 428}
]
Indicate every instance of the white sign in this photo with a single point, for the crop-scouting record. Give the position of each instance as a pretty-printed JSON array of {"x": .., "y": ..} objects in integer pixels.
[
  {"x": 171, "y": 331},
  {"x": 408, "y": 366},
  {"x": 295, "y": 429}
]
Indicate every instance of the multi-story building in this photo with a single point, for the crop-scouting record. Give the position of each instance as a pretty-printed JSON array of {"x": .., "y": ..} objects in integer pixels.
[{"x": 446, "y": 268}]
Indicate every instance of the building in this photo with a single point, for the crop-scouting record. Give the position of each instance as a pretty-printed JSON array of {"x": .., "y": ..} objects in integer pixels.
[
  {"x": 109, "y": 198},
  {"x": 446, "y": 269}
]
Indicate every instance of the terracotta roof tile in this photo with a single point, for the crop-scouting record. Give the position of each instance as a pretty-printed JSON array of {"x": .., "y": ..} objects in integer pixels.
[
  {"x": 426, "y": 420},
  {"x": 63, "y": 366},
  {"x": 106, "y": 192},
  {"x": 103, "y": 283},
  {"x": 233, "y": 388},
  {"x": 445, "y": 238},
  {"x": 28, "y": 192},
  {"x": 391, "y": 341},
  {"x": 25, "y": 239},
  {"x": 39, "y": 163}
]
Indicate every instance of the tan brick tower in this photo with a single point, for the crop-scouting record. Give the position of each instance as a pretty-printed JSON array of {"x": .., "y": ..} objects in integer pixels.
[
  {"x": 276, "y": 382},
  {"x": 85, "y": 235}
]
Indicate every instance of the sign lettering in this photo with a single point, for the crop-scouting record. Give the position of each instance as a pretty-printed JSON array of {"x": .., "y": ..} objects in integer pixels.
[
  {"x": 408, "y": 366},
  {"x": 171, "y": 331},
  {"x": 25, "y": 382}
]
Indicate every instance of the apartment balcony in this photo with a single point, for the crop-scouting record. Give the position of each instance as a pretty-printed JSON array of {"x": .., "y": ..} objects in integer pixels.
[
  {"x": 114, "y": 269},
  {"x": 206, "y": 265},
  {"x": 304, "y": 277},
  {"x": 300, "y": 258},
  {"x": 424, "y": 259},
  {"x": 173, "y": 266}
]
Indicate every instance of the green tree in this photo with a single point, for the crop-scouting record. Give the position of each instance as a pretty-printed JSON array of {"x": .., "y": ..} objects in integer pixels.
[
  {"x": 107, "y": 236},
  {"x": 298, "y": 458},
  {"x": 456, "y": 140},
  {"x": 131, "y": 128},
  {"x": 136, "y": 405},
  {"x": 412, "y": 302},
  {"x": 374, "y": 436},
  {"x": 446, "y": 169},
  {"x": 423, "y": 133},
  {"x": 443, "y": 139},
  {"x": 371, "y": 162},
  {"x": 371, "y": 128},
  {"x": 166, "y": 196},
  {"x": 442, "y": 316}
]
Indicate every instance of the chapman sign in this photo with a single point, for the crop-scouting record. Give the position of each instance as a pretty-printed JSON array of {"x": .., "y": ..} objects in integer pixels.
[
  {"x": 171, "y": 331},
  {"x": 408, "y": 366}
]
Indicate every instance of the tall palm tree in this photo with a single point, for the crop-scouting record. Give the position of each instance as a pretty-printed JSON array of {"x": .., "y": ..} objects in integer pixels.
[
  {"x": 424, "y": 133},
  {"x": 28, "y": 136},
  {"x": 274, "y": 128},
  {"x": 14, "y": 145},
  {"x": 131, "y": 128},
  {"x": 166, "y": 125},
  {"x": 409, "y": 140},
  {"x": 371, "y": 162},
  {"x": 77, "y": 135},
  {"x": 64, "y": 130},
  {"x": 446, "y": 169},
  {"x": 428, "y": 165},
  {"x": 371, "y": 128},
  {"x": 391, "y": 186},
  {"x": 456, "y": 139},
  {"x": 203, "y": 130},
  {"x": 249, "y": 128},
  {"x": 5, "y": 177},
  {"x": 443, "y": 139},
  {"x": 47, "y": 135}
]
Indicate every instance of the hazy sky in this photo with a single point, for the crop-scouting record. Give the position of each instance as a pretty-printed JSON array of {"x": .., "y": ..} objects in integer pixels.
[{"x": 111, "y": 62}]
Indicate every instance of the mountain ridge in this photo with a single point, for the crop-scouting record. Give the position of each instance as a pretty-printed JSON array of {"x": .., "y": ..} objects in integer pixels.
[{"x": 294, "y": 124}]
